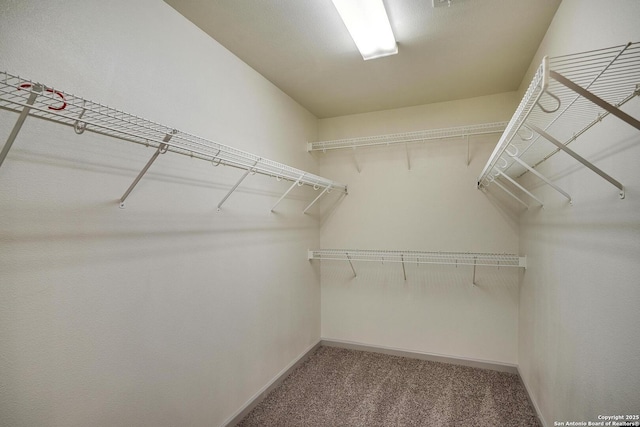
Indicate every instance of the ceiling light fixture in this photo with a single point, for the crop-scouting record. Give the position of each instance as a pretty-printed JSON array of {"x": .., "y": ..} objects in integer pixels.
[{"x": 369, "y": 27}]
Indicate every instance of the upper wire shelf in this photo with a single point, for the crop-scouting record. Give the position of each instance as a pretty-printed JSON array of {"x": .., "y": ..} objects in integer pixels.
[
  {"x": 567, "y": 96},
  {"x": 408, "y": 137},
  {"x": 34, "y": 99},
  {"x": 419, "y": 257}
]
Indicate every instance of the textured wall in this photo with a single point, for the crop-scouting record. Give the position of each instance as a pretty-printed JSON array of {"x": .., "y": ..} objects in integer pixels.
[
  {"x": 432, "y": 207},
  {"x": 166, "y": 312},
  {"x": 579, "y": 339}
]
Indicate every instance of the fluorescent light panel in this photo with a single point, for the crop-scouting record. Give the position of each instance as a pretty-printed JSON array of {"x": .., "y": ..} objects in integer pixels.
[{"x": 369, "y": 27}]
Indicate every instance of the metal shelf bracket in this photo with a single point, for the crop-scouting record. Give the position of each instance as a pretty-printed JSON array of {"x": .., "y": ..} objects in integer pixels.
[
  {"x": 596, "y": 100},
  {"x": 524, "y": 190},
  {"x": 351, "y": 264},
  {"x": 246, "y": 173},
  {"x": 160, "y": 150},
  {"x": 506, "y": 190},
  {"x": 406, "y": 147},
  {"x": 545, "y": 179},
  {"x": 288, "y": 191},
  {"x": 473, "y": 280},
  {"x": 326, "y": 190},
  {"x": 355, "y": 160},
  {"x": 35, "y": 90},
  {"x": 579, "y": 158}
]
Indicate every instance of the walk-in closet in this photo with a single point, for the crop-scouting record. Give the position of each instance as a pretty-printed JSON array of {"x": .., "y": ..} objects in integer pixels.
[{"x": 268, "y": 213}]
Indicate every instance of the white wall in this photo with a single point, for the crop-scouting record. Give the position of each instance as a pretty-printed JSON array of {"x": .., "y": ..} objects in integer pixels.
[
  {"x": 435, "y": 206},
  {"x": 166, "y": 312},
  {"x": 579, "y": 332}
]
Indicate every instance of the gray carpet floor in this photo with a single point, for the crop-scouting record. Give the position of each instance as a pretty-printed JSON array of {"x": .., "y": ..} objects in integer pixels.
[{"x": 339, "y": 387}]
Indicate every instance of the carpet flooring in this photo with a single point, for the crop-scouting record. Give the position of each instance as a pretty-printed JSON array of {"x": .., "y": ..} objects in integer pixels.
[{"x": 339, "y": 387}]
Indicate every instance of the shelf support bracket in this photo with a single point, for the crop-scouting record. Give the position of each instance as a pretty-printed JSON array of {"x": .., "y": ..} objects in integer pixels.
[
  {"x": 21, "y": 118},
  {"x": 524, "y": 190},
  {"x": 246, "y": 173},
  {"x": 506, "y": 190},
  {"x": 351, "y": 264},
  {"x": 473, "y": 280},
  {"x": 162, "y": 148},
  {"x": 595, "y": 99},
  {"x": 404, "y": 271},
  {"x": 316, "y": 199},
  {"x": 355, "y": 159},
  {"x": 544, "y": 178},
  {"x": 522, "y": 262},
  {"x": 287, "y": 192},
  {"x": 581, "y": 159},
  {"x": 468, "y": 152},
  {"x": 406, "y": 147}
]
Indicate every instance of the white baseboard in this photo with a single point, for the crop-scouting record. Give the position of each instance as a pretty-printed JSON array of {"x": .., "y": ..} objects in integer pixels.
[
  {"x": 264, "y": 391},
  {"x": 532, "y": 400},
  {"x": 474, "y": 363}
]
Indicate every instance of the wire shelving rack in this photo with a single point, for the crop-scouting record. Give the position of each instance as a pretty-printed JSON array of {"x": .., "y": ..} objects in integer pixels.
[
  {"x": 567, "y": 96},
  {"x": 418, "y": 257},
  {"x": 409, "y": 137},
  {"x": 29, "y": 98}
]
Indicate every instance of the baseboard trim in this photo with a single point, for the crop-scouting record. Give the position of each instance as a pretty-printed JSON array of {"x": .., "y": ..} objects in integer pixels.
[
  {"x": 474, "y": 363},
  {"x": 264, "y": 391},
  {"x": 532, "y": 401}
]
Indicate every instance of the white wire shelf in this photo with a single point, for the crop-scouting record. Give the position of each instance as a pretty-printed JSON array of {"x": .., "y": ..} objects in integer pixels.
[
  {"x": 30, "y": 98},
  {"x": 408, "y": 137},
  {"x": 418, "y": 257},
  {"x": 567, "y": 96}
]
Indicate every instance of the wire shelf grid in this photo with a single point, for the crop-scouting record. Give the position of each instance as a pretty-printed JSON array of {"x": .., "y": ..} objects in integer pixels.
[
  {"x": 419, "y": 257},
  {"x": 612, "y": 74},
  {"x": 64, "y": 108},
  {"x": 409, "y": 137}
]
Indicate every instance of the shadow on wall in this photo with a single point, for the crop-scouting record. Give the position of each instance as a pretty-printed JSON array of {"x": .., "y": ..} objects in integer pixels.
[
  {"x": 329, "y": 208},
  {"x": 509, "y": 209},
  {"x": 51, "y": 242},
  {"x": 609, "y": 238}
]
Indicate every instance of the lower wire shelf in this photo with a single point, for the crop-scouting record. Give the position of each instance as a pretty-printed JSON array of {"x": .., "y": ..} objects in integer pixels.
[{"x": 419, "y": 257}]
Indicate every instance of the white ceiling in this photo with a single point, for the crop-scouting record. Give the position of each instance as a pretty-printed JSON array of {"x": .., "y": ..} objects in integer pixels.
[{"x": 472, "y": 48}]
